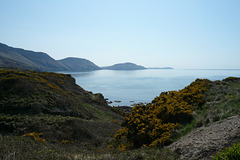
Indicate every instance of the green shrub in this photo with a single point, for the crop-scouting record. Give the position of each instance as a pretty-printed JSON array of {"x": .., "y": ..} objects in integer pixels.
[{"x": 231, "y": 153}]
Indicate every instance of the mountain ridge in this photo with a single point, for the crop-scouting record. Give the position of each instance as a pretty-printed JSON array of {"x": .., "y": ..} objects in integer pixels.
[
  {"x": 31, "y": 59},
  {"x": 40, "y": 61}
]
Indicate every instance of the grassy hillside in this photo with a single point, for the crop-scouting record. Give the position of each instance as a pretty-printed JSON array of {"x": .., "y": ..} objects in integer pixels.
[
  {"x": 53, "y": 104},
  {"x": 221, "y": 100}
]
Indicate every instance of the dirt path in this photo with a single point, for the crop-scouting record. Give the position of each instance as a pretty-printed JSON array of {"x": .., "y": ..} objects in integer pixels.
[{"x": 204, "y": 142}]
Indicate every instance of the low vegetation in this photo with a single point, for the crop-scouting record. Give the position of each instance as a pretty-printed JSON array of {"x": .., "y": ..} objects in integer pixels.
[
  {"x": 21, "y": 148},
  {"x": 230, "y": 153}
]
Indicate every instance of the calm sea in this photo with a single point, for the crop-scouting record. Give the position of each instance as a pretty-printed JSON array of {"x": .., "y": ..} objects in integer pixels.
[{"x": 131, "y": 87}]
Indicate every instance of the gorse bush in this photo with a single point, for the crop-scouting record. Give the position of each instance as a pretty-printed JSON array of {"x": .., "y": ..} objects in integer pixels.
[
  {"x": 65, "y": 142},
  {"x": 35, "y": 136},
  {"x": 38, "y": 137},
  {"x": 231, "y": 153},
  {"x": 151, "y": 125}
]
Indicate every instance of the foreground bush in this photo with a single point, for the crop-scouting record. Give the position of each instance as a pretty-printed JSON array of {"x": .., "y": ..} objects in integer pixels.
[
  {"x": 151, "y": 125},
  {"x": 231, "y": 153}
]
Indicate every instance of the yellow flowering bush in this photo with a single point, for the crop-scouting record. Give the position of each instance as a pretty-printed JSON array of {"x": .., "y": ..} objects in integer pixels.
[
  {"x": 65, "y": 142},
  {"x": 35, "y": 136},
  {"x": 151, "y": 125}
]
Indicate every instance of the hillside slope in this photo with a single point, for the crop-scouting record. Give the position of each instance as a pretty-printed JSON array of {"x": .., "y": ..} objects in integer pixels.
[
  {"x": 53, "y": 104},
  {"x": 39, "y": 60},
  {"x": 7, "y": 62},
  {"x": 216, "y": 123}
]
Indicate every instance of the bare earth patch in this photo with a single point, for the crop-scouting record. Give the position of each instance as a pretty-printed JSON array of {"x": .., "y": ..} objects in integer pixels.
[{"x": 206, "y": 141}]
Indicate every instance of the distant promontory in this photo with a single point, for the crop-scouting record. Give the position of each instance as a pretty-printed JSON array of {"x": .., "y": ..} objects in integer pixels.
[
  {"x": 78, "y": 64},
  {"x": 124, "y": 66}
]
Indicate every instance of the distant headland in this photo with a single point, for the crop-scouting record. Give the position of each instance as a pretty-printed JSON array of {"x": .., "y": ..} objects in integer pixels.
[{"x": 124, "y": 66}]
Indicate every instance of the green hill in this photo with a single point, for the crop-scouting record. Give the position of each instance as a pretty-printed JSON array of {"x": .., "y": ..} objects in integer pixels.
[{"x": 53, "y": 104}]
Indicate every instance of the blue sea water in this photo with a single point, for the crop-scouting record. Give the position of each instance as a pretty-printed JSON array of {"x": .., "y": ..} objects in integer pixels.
[{"x": 137, "y": 86}]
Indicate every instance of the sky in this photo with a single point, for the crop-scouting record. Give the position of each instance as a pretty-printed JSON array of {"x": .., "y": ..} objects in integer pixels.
[{"x": 183, "y": 34}]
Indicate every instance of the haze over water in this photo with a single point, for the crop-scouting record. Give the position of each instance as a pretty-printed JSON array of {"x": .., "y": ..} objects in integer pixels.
[{"x": 131, "y": 87}]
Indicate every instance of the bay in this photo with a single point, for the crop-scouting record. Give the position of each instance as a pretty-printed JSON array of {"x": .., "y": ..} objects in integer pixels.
[{"x": 131, "y": 87}]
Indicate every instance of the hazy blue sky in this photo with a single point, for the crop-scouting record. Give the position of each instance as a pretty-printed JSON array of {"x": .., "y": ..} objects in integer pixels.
[{"x": 153, "y": 33}]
